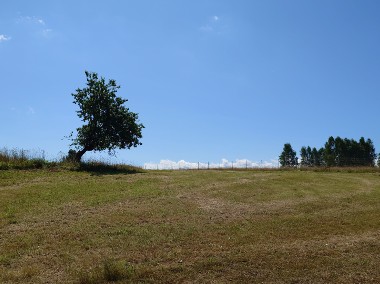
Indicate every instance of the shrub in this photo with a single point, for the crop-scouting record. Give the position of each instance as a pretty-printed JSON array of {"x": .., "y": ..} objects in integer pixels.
[
  {"x": 113, "y": 271},
  {"x": 21, "y": 159}
]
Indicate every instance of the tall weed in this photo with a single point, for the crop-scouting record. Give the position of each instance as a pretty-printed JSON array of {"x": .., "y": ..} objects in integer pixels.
[{"x": 22, "y": 159}]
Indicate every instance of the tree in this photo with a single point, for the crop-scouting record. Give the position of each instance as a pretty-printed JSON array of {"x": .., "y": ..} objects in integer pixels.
[
  {"x": 329, "y": 154},
  {"x": 368, "y": 154},
  {"x": 339, "y": 152},
  {"x": 317, "y": 157},
  {"x": 311, "y": 157},
  {"x": 348, "y": 152},
  {"x": 306, "y": 157},
  {"x": 108, "y": 123},
  {"x": 288, "y": 156}
]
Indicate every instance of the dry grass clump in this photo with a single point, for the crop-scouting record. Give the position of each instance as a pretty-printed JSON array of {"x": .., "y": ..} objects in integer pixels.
[
  {"x": 111, "y": 271},
  {"x": 21, "y": 159}
]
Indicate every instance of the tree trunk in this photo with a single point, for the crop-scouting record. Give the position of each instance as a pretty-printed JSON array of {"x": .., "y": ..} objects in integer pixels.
[{"x": 79, "y": 154}]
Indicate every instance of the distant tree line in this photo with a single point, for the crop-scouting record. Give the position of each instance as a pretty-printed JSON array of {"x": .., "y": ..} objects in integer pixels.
[{"x": 337, "y": 152}]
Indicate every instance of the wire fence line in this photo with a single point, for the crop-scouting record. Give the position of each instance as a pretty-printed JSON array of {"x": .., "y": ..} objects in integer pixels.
[{"x": 224, "y": 164}]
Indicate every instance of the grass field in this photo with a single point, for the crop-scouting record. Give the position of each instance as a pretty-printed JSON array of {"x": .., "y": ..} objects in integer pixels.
[{"x": 59, "y": 226}]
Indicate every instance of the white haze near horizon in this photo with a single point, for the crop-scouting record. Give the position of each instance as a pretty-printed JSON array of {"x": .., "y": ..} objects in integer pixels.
[{"x": 223, "y": 164}]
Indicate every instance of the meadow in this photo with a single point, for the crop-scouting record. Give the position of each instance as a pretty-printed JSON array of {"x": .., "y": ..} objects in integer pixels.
[{"x": 206, "y": 226}]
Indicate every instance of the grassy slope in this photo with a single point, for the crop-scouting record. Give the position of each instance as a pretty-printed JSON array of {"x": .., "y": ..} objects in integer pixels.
[{"x": 190, "y": 226}]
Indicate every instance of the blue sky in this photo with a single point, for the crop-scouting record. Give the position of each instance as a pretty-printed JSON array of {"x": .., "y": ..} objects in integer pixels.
[{"x": 210, "y": 79}]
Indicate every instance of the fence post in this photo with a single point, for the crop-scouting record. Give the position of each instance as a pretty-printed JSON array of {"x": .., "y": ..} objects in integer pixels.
[{"x": 208, "y": 165}]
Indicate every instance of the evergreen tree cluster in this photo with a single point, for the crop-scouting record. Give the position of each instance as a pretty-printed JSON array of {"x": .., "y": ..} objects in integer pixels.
[
  {"x": 340, "y": 152},
  {"x": 288, "y": 157},
  {"x": 337, "y": 152},
  {"x": 312, "y": 157}
]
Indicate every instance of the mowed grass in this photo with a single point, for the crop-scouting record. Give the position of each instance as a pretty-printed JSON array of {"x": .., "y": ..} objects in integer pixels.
[{"x": 205, "y": 226}]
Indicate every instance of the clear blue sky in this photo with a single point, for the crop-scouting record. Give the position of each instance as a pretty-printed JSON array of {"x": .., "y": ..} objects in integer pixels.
[{"x": 210, "y": 79}]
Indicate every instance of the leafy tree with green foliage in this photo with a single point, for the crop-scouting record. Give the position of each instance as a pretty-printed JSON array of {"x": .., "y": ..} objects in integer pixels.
[
  {"x": 288, "y": 157},
  {"x": 108, "y": 123}
]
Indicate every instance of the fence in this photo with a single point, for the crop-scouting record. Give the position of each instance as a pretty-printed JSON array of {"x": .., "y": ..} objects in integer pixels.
[{"x": 224, "y": 164}]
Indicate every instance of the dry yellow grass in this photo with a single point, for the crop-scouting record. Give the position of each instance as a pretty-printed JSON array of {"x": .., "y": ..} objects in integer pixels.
[{"x": 190, "y": 227}]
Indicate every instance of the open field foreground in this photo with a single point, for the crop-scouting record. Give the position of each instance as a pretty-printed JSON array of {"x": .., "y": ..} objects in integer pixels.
[{"x": 190, "y": 227}]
